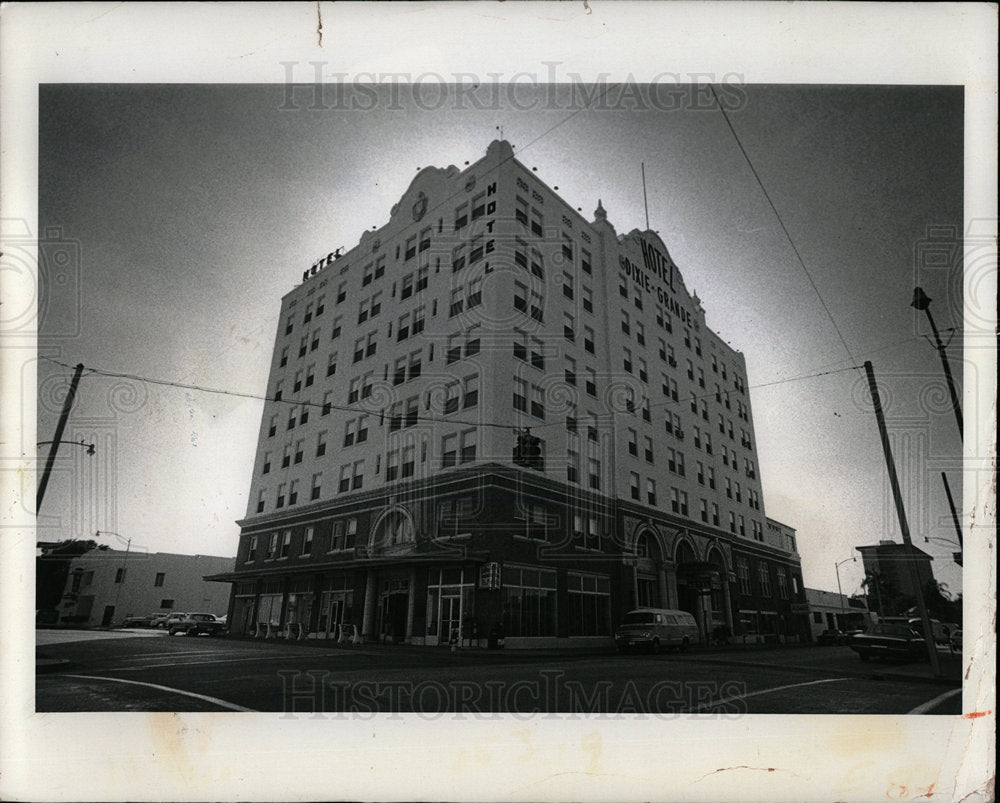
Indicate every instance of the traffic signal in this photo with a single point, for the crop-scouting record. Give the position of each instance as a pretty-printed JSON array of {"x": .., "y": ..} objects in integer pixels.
[
  {"x": 520, "y": 451},
  {"x": 534, "y": 452}
]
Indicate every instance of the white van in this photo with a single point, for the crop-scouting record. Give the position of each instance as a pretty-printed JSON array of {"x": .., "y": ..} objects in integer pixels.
[{"x": 655, "y": 628}]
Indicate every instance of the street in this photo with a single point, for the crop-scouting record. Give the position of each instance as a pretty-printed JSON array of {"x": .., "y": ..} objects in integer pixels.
[{"x": 121, "y": 673}]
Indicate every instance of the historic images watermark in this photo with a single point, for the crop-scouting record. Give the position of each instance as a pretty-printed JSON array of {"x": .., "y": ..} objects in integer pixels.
[
  {"x": 320, "y": 694},
  {"x": 314, "y": 86}
]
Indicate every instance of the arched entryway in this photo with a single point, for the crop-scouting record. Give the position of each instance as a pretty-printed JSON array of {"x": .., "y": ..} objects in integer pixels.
[
  {"x": 649, "y": 586},
  {"x": 703, "y": 589}
]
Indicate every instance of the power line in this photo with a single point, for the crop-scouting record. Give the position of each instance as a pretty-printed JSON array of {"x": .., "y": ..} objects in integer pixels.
[
  {"x": 295, "y": 402},
  {"x": 782, "y": 224}
]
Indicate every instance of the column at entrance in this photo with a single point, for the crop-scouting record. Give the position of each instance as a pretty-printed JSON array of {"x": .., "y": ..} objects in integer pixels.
[
  {"x": 368, "y": 622},
  {"x": 727, "y": 603},
  {"x": 410, "y": 600},
  {"x": 670, "y": 577}
]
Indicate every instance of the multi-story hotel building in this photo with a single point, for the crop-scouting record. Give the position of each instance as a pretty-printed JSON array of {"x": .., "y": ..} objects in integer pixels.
[{"x": 493, "y": 413}]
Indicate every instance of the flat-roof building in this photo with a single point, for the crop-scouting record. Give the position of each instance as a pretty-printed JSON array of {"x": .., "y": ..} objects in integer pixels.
[{"x": 494, "y": 413}]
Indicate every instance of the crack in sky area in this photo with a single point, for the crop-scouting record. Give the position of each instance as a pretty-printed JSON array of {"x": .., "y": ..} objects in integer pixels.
[{"x": 319, "y": 25}]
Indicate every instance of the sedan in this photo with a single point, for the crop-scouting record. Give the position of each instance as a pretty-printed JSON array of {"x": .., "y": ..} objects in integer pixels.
[
  {"x": 890, "y": 641},
  {"x": 139, "y": 621},
  {"x": 195, "y": 623},
  {"x": 832, "y": 637}
]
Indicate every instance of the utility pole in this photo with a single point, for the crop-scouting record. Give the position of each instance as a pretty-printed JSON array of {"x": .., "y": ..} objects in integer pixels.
[
  {"x": 903, "y": 525},
  {"x": 63, "y": 417},
  {"x": 922, "y": 301}
]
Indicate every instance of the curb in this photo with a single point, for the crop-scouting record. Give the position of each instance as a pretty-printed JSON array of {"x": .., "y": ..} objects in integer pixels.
[
  {"x": 45, "y": 665},
  {"x": 866, "y": 675}
]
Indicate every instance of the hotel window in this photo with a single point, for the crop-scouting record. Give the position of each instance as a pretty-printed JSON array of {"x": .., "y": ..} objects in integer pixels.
[
  {"x": 260, "y": 502},
  {"x": 640, "y": 333},
  {"x": 536, "y": 222},
  {"x": 290, "y": 325},
  {"x": 279, "y": 501},
  {"x": 638, "y": 299},
  {"x": 729, "y": 487},
  {"x": 594, "y": 473},
  {"x": 520, "y": 394},
  {"x": 369, "y": 307},
  {"x": 407, "y": 467},
  {"x": 521, "y": 210},
  {"x": 456, "y": 303},
  {"x": 414, "y": 364},
  {"x": 537, "y": 306},
  {"x": 267, "y": 463},
  {"x": 626, "y": 324},
  {"x": 627, "y": 359},
  {"x": 742, "y": 526},
  {"x": 648, "y": 450},
  {"x": 537, "y": 264},
  {"x": 520, "y": 253},
  {"x": 356, "y": 431},
  {"x": 293, "y": 492},
  {"x": 470, "y": 391},
  {"x": 298, "y": 451},
  {"x": 715, "y": 514},
  {"x": 461, "y": 216},
  {"x": 310, "y": 374},
  {"x": 475, "y": 292},
  {"x": 251, "y": 548},
  {"x": 478, "y": 205},
  {"x": 715, "y": 363},
  {"x": 336, "y": 328},
  {"x": 679, "y": 501},
  {"x": 320, "y": 305},
  {"x": 341, "y": 292},
  {"x": 286, "y": 543},
  {"x": 520, "y": 297},
  {"x": 284, "y": 357},
  {"x": 331, "y": 365},
  {"x": 633, "y": 445},
  {"x": 587, "y": 298},
  {"x": 667, "y": 323},
  {"x": 592, "y": 427},
  {"x": 743, "y": 571},
  {"x": 411, "y": 248},
  {"x": 307, "y": 541},
  {"x": 368, "y": 275},
  {"x": 634, "y": 485},
  {"x": 315, "y": 488},
  {"x": 690, "y": 370},
  {"x": 670, "y": 387},
  {"x": 687, "y": 338},
  {"x": 703, "y": 510},
  {"x": 765, "y": 579},
  {"x": 588, "y": 339},
  {"x": 623, "y": 290},
  {"x": 158, "y": 580},
  {"x": 572, "y": 462},
  {"x": 570, "y": 371},
  {"x": 286, "y": 458},
  {"x": 472, "y": 341},
  {"x": 739, "y": 496},
  {"x": 708, "y": 443},
  {"x": 399, "y": 371},
  {"x": 569, "y": 327},
  {"x": 567, "y": 247},
  {"x": 643, "y": 370},
  {"x": 782, "y": 582},
  {"x": 646, "y": 414},
  {"x": 732, "y": 522},
  {"x": 701, "y": 378},
  {"x": 476, "y": 249},
  {"x": 567, "y": 285},
  {"x": 457, "y": 257},
  {"x": 537, "y": 401},
  {"x": 425, "y": 240},
  {"x": 585, "y": 260},
  {"x": 571, "y": 417},
  {"x": 298, "y": 382},
  {"x": 591, "y": 381},
  {"x": 327, "y": 402}
]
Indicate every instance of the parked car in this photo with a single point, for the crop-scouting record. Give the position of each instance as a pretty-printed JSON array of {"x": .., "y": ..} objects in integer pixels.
[
  {"x": 194, "y": 623},
  {"x": 655, "y": 628},
  {"x": 832, "y": 637},
  {"x": 139, "y": 621},
  {"x": 167, "y": 619},
  {"x": 897, "y": 641},
  {"x": 955, "y": 645}
]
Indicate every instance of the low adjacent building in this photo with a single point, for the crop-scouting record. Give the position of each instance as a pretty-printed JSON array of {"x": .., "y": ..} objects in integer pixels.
[
  {"x": 831, "y": 611},
  {"x": 105, "y": 586}
]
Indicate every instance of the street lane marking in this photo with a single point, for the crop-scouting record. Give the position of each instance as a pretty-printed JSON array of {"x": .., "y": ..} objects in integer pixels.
[
  {"x": 205, "y": 697},
  {"x": 765, "y": 691},
  {"x": 923, "y": 708},
  {"x": 223, "y": 661}
]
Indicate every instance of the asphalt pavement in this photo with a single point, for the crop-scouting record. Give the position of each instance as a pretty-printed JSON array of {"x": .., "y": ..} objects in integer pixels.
[{"x": 119, "y": 672}]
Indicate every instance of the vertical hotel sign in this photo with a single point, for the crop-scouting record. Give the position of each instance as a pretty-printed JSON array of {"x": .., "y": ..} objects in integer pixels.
[{"x": 656, "y": 277}]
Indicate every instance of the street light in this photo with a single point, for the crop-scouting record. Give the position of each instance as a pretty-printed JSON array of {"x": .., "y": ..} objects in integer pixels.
[
  {"x": 921, "y": 301},
  {"x": 836, "y": 566},
  {"x": 128, "y": 546}
]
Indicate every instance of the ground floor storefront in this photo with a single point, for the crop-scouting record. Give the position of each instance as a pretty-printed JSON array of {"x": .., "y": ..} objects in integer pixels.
[{"x": 488, "y": 556}]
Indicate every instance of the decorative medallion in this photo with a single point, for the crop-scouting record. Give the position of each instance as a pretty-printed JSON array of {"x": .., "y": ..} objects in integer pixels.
[{"x": 420, "y": 207}]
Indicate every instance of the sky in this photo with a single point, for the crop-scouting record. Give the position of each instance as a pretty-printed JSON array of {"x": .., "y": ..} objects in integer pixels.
[{"x": 188, "y": 211}]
